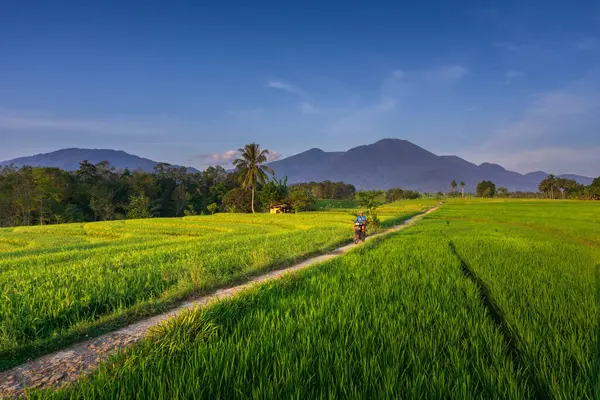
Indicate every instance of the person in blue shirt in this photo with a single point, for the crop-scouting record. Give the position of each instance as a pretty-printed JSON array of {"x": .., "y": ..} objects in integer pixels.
[{"x": 362, "y": 220}]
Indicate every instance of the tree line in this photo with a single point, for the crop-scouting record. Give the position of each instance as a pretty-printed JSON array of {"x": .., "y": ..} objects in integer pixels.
[
  {"x": 328, "y": 190},
  {"x": 100, "y": 192},
  {"x": 551, "y": 187},
  {"x": 554, "y": 187}
]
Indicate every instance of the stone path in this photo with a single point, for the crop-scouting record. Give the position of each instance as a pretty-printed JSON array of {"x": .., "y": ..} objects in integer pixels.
[{"x": 69, "y": 364}]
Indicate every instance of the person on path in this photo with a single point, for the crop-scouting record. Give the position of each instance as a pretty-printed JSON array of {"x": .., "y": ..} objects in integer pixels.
[{"x": 362, "y": 220}]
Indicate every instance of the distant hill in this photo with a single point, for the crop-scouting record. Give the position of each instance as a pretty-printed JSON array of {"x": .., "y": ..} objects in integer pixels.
[
  {"x": 399, "y": 163},
  {"x": 69, "y": 159}
]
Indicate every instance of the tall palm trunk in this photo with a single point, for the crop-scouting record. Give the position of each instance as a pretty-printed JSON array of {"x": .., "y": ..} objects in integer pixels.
[{"x": 252, "y": 199}]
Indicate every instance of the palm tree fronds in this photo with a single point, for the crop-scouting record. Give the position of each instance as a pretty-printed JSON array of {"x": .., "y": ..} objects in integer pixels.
[{"x": 250, "y": 168}]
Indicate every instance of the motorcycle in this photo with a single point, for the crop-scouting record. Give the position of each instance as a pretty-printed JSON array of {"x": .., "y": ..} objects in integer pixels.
[{"x": 359, "y": 234}]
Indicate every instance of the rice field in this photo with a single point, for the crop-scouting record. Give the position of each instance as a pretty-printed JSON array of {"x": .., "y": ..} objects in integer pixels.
[
  {"x": 333, "y": 204},
  {"x": 62, "y": 283},
  {"x": 479, "y": 300}
]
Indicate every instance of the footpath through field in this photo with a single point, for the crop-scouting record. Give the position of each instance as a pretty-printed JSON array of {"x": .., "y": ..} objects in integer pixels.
[{"x": 69, "y": 364}]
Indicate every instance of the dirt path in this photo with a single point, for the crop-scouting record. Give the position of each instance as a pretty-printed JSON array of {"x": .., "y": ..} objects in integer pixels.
[{"x": 67, "y": 365}]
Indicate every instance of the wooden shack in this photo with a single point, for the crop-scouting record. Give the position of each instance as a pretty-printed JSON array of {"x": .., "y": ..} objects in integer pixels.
[{"x": 280, "y": 209}]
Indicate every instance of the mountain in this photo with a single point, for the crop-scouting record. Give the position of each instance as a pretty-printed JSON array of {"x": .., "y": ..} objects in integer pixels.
[
  {"x": 399, "y": 163},
  {"x": 382, "y": 165},
  {"x": 69, "y": 159}
]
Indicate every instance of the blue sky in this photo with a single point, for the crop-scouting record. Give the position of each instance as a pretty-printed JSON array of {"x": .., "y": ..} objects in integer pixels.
[{"x": 512, "y": 82}]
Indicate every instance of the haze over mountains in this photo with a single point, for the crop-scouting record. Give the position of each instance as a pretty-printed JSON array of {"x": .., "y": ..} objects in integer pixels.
[{"x": 382, "y": 165}]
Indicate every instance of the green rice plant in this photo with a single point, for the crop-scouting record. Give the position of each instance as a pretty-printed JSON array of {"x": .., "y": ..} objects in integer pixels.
[
  {"x": 62, "y": 283},
  {"x": 479, "y": 300},
  {"x": 396, "y": 319},
  {"x": 538, "y": 261}
]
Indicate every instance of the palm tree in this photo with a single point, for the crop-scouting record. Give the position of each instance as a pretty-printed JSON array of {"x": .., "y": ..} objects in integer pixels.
[
  {"x": 547, "y": 185},
  {"x": 251, "y": 169},
  {"x": 453, "y": 185},
  {"x": 462, "y": 188}
]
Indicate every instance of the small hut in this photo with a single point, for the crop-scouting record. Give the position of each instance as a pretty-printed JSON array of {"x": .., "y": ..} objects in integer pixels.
[{"x": 280, "y": 209}]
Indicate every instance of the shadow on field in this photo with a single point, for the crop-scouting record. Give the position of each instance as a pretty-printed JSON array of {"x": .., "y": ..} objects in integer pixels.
[{"x": 497, "y": 316}]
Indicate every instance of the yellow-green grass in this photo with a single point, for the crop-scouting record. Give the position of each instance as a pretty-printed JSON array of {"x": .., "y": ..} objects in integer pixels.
[
  {"x": 469, "y": 303},
  {"x": 326, "y": 204},
  {"x": 59, "y": 283}
]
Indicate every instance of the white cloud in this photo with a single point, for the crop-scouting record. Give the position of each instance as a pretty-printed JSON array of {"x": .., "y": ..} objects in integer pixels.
[
  {"x": 27, "y": 121},
  {"x": 551, "y": 159},
  {"x": 563, "y": 103},
  {"x": 448, "y": 73},
  {"x": 367, "y": 118},
  {"x": 396, "y": 89},
  {"x": 274, "y": 156},
  {"x": 588, "y": 43},
  {"x": 544, "y": 115},
  {"x": 225, "y": 158},
  {"x": 308, "y": 108},
  {"x": 550, "y": 133},
  {"x": 288, "y": 87}
]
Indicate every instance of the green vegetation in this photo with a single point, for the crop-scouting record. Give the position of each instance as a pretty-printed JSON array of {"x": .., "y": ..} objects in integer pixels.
[
  {"x": 324, "y": 204},
  {"x": 251, "y": 168},
  {"x": 62, "y": 282},
  {"x": 396, "y": 194},
  {"x": 301, "y": 199},
  {"x": 369, "y": 201},
  {"x": 560, "y": 188},
  {"x": 99, "y": 192},
  {"x": 482, "y": 299},
  {"x": 40, "y": 196},
  {"x": 368, "y": 325},
  {"x": 453, "y": 185},
  {"x": 486, "y": 189},
  {"x": 329, "y": 190},
  {"x": 539, "y": 261}
]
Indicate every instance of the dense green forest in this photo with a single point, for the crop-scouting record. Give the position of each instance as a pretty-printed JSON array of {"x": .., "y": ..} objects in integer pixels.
[
  {"x": 554, "y": 187},
  {"x": 35, "y": 195},
  {"x": 99, "y": 192},
  {"x": 330, "y": 190}
]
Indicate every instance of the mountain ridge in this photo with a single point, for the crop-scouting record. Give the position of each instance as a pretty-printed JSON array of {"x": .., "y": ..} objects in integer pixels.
[
  {"x": 384, "y": 164},
  {"x": 392, "y": 162},
  {"x": 69, "y": 159}
]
